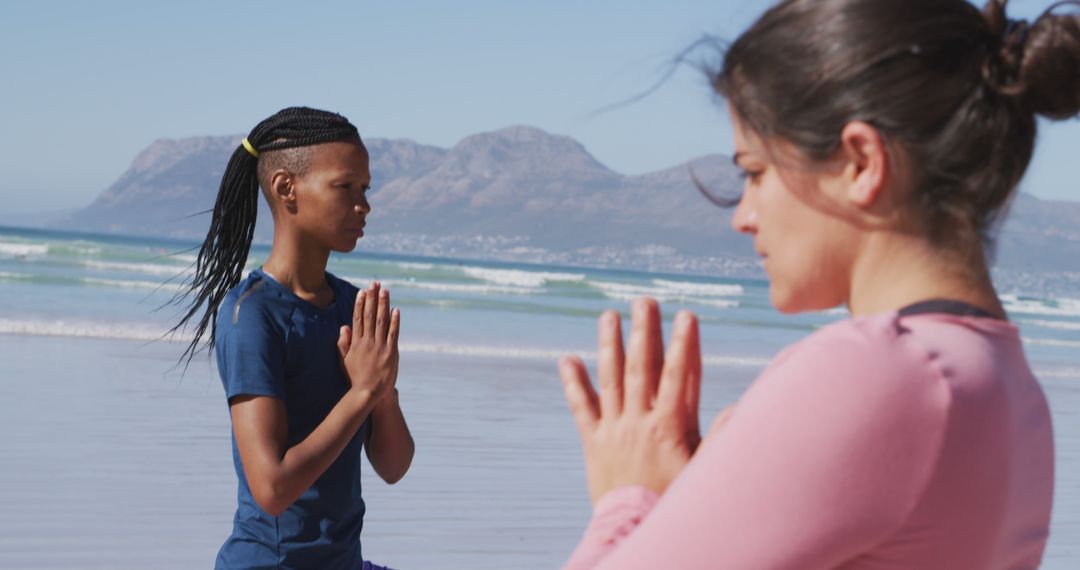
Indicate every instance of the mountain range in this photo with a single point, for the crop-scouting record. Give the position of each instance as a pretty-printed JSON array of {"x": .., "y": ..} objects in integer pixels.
[{"x": 523, "y": 194}]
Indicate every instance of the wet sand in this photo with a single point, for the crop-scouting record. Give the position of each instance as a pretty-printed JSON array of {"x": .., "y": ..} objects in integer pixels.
[{"x": 108, "y": 461}]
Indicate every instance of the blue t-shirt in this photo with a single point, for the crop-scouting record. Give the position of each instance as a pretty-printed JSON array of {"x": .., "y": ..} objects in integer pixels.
[{"x": 272, "y": 343}]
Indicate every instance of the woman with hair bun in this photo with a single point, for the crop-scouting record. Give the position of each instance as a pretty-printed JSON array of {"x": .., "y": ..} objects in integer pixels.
[{"x": 881, "y": 140}]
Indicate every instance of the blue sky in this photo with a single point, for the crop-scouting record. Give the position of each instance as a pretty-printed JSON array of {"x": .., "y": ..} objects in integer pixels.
[{"x": 86, "y": 85}]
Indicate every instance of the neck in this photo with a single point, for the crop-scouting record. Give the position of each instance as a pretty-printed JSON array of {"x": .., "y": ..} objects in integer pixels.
[
  {"x": 895, "y": 270},
  {"x": 296, "y": 264}
]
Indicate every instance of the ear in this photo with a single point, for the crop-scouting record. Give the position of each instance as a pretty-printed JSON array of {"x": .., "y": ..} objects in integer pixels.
[
  {"x": 282, "y": 189},
  {"x": 867, "y": 157}
]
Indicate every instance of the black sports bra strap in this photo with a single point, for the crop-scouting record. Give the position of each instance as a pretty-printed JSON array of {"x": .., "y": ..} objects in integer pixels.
[{"x": 947, "y": 306}]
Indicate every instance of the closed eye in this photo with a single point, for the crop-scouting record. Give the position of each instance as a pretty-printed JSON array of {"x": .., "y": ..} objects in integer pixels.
[{"x": 750, "y": 177}]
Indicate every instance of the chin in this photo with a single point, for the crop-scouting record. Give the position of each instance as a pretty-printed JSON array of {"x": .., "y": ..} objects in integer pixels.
[
  {"x": 346, "y": 247},
  {"x": 802, "y": 300},
  {"x": 782, "y": 298},
  {"x": 786, "y": 307}
]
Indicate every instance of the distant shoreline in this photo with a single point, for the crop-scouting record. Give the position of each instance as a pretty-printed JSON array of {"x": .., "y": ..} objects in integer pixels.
[{"x": 258, "y": 247}]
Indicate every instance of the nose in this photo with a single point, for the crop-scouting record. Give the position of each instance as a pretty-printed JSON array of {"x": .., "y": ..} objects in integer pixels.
[
  {"x": 744, "y": 220},
  {"x": 362, "y": 206}
]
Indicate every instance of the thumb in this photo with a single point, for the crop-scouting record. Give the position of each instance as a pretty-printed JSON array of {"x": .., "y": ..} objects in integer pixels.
[{"x": 344, "y": 340}]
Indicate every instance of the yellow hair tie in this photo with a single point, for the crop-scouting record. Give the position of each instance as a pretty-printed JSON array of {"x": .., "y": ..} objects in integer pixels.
[{"x": 251, "y": 150}]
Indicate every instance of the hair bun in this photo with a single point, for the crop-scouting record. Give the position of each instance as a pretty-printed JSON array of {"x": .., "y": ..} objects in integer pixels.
[
  {"x": 1038, "y": 63},
  {"x": 1010, "y": 57}
]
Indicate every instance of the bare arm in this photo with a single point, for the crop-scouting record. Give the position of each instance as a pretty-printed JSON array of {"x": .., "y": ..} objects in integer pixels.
[
  {"x": 390, "y": 446},
  {"x": 278, "y": 474}
]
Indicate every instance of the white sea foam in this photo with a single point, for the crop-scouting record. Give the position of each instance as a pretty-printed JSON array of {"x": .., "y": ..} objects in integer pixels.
[
  {"x": 1051, "y": 342},
  {"x": 699, "y": 289},
  {"x": 519, "y": 278},
  {"x": 10, "y": 249},
  {"x": 552, "y": 354},
  {"x": 446, "y": 303},
  {"x": 469, "y": 288},
  {"x": 15, "y": 276},
  {"x": 722, "y": 303},
  {"x": 148, "y": 268},
  {"x": 1060, "y": 325},
  {"x": 61, "y": 328},
  {"x": 185, "y": 257},
  {"x": 148, "y": 332},
  {"x": 624, "y": 291},
  {"x": 416, "y": 266},
  {"x": 663, "y": 294},
  {"x": 1043, "y": 373},
  {"x": 1056, "y": 307},
  {"x": 735, "y": 361},
  {"x": 482, "y": 351},
  {"x": 125, "y": 284},
  {"x": 86, "y": 250}
]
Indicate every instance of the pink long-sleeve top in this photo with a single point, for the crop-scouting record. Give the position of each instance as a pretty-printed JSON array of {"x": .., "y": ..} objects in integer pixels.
[{"x": 876, "y": 443}]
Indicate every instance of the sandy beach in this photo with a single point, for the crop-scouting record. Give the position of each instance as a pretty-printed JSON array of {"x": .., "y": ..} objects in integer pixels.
[{"x": 113, "y": 461}]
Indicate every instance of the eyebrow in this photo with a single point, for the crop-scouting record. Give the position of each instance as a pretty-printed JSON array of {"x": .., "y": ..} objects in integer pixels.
[{"x": 345, "y": 174}]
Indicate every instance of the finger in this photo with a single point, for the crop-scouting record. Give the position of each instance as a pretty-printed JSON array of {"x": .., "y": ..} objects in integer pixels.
[
  {"x": 382, "y": 317},
  {"x": 645, "y": 356},
  {"x": 358, "y": 315},
  {"x": 692, "y": 396},
  {"x": 371, "y": 306},
  {"x": 344, "y": 340},
  {"x": 395, "y": 325},
  {"x": 678, "y": 366},
  {"x": 579, "y": 394},
  {"x": 610, "y": 364}
]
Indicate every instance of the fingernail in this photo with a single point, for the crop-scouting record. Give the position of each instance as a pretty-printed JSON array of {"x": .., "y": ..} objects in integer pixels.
[{"x": 384, "y": 293}]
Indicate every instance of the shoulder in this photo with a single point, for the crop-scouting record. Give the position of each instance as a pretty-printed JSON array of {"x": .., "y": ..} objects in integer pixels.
[
  {"x": 878, "y": 342},
  {"x": 254, "y": 302},
  {"x": 873, "y": 364},
  {"x": 855, "y": 414}
]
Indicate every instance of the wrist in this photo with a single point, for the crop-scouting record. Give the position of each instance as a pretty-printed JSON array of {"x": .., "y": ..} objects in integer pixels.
[
  {"x": 388, "y": 401},
  {"x": 360, "y": 399}
]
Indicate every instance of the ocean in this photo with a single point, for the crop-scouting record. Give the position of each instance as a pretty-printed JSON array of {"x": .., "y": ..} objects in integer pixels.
[{"x": 114, "y": 457}]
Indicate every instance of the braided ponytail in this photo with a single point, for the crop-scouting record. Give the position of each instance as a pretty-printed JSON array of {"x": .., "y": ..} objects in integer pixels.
[{"x": 223, "y": 254}]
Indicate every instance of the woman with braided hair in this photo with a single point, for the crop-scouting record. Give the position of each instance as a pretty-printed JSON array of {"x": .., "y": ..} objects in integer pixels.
[
  {"x": 309, "y": 363},
  {"x": 880, "y": 142}
]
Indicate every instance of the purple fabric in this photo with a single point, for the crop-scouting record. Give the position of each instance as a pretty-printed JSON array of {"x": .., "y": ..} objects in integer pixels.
[{"x": 370, "y": 566}]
